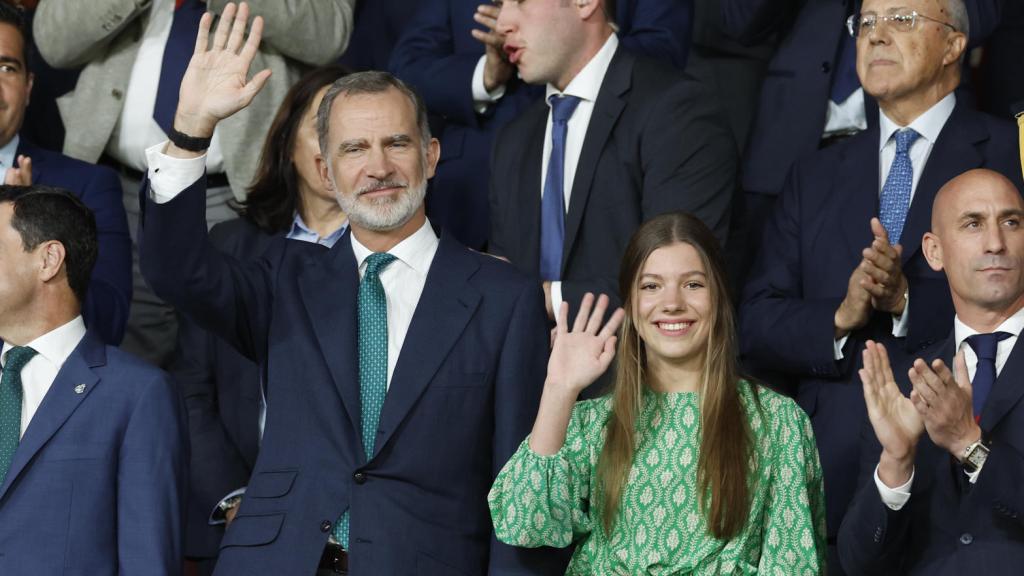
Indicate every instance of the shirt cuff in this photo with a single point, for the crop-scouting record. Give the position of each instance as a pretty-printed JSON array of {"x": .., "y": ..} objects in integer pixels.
[
  {"x": 556, "y": 297},
  {"x": 217, "y": 514},
  {"x": 837, "y": 347},
  {"x": 900, "y": 323},
  {"x": 894, "y": 498},
  {"x": 169, "y": 176},
  {"x": 481, "y": 97}
]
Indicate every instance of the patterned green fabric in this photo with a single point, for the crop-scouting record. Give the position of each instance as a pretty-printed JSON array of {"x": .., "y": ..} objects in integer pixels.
[
  {"x": 373, "y": 360},
  {"x": 10, "y": 405},
  {"x": 556, "y": 500}
]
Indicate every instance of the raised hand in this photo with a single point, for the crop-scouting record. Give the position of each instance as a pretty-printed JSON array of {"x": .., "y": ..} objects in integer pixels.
[
  {"x": 883, "y": 268},
  {"x": 20, "y": 175},
  {"x": 497, "y": 69},
  {"x": 945, "y": 404},
  {"x": 216, "y": 83},
  {"x": 579, "y": 356},
  {"x": 897, "y": 423}
]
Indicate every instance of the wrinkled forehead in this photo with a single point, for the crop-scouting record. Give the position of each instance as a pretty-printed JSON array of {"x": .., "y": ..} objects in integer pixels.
[
  {"x": 927, "y": 7},
  {"x": 366, "y": 115}
]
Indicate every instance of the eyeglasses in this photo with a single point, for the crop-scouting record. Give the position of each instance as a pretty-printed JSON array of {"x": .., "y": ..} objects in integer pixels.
[{"x": 902, "y": 22}]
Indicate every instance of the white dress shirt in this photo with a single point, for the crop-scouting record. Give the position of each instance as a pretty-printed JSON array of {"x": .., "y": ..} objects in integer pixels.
[
  {"x": 585, "y": 86},
  {"x": 136, "y": 129},
  {"x": 38, "y": 375},
  {"x": 896, "y": 498},
  {"x": 929, "y": 125},
  {"x": 482, "y": 98}
]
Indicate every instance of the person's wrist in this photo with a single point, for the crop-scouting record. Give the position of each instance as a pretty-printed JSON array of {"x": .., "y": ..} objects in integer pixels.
[
  {"x": 958, "y": 447},
  {"x": 844, "y": 321},
  {"x": 894, "y": 470},
  {"x": 194, "y": 125}
]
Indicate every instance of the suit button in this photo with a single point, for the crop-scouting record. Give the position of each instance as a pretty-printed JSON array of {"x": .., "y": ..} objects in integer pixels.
[
  {"x": 359, "y": 477},
  {"x": 117, "y": 94},
  {"x": 966, "y": 539},
  {"x": 826, "y": 67},
  {"x": 325, "y": 526}
]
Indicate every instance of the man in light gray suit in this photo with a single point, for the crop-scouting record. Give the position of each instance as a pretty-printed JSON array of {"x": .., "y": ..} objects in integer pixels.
[{"x": 127, "y": 48}]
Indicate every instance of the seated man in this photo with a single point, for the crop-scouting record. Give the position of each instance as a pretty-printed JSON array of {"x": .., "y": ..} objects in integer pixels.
[
  {"x": 948, "y": 461},
  {"x": 92, "y": 441}
]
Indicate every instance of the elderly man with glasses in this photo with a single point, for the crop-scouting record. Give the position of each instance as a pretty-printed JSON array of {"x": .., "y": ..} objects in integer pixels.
[{"x": 841, "y": 258}]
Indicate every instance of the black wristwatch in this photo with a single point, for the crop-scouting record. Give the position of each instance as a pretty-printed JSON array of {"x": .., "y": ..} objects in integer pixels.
[{"x": 190, "y": 143}]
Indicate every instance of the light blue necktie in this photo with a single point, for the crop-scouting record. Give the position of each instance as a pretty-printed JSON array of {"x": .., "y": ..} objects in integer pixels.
[
  {"x": 895, "y": 201},
  {"x": 552, "y": 206},
  {"x": 10, "y": 405},
  {"x": 985, "y": 346},
  {"x": 373, "y": 361}
]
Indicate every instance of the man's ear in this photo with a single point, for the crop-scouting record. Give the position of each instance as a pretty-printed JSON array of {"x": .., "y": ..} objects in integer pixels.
[
  {"x": 955, "y": 46},
  {"x": 52, "y": 264},
  {"x": 932, "y": 251},
  {"x": 586, "y": 8}
]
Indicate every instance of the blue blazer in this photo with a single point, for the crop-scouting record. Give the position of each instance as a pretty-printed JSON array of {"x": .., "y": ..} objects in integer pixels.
[
  {"x": 222, "y": 394},
  {"x": 794, "y": 97},
  {"x": 462, "y": 398},
  {"x": 105, "y": 309},
  {"x": 810, "y": 247},
  {"x": 97, "y": 484},
  {"x": 437, "y": 56},
  {"x": 948, "y": 527}
]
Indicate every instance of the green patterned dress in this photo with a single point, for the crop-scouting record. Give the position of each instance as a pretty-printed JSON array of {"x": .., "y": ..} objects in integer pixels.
[{"x": 555, "y": 500}]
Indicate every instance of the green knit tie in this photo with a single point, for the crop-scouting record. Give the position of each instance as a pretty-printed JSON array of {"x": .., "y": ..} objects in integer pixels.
[{"x": 10, "y": 405}]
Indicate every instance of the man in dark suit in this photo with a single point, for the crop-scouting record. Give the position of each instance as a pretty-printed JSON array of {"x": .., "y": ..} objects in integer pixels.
[
  {"x": 93, "y": 442},
  {"x": 618, "y": 139},
  {"x": 830, "y": 274},
  {"x": 453, "y": 56},
  {"x": 392, "y": 401},
  {"x": 944, "y": 454},
  {"x": 105, "y": 308}
]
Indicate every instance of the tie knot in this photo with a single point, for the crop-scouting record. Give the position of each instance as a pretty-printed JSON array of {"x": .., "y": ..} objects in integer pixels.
[
  {"x": 377, "y": 262},
  {"x": 17, "y": 357},
  {"x": 905, "y": 139},
  {"x": 562, "y": 107},
  {"x": 985, "y": 345}
]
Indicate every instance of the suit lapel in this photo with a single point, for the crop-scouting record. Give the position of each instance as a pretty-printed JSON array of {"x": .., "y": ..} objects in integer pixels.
[
  {"x": 330, "y": 288},
  {"x": 64, "y": 396},
  {"x": 445, "y": 307},
  {"x": 955, "y": 152},
  {"x": 524, "y": 205},
  {"x": 607, "y": 109},
  {"x": 857, "y": 197},
  {"x": 1007, "y": 391}
]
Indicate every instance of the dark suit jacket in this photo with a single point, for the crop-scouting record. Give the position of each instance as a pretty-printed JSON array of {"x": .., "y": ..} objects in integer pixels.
[
  {"x": 948, "y": 527},
  {"x": 378, "y": 24},
  {"x": 222, "y": 394},
  {"x": 437, "y": 55},
  {"x": 655, "y": 144},
  {"x": 811, "y": 246},
  {"x": 463, "y": 396},
  {"x": 97, "y": 484},
  {"x": 105, "y": 309},
  {"x": 794, "y": 97}
]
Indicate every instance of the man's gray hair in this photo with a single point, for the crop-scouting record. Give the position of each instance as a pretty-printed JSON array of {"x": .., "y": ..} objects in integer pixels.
[
  {"x": 958, "y": 17},
  {"x": 372, "y": 82}
]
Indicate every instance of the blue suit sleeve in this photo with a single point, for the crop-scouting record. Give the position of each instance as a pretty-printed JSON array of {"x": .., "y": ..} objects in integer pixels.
[
  {"x": 105, "y": 309},
  {"x": 660, "y": 29},
  {"x": 151, "y": 481}
]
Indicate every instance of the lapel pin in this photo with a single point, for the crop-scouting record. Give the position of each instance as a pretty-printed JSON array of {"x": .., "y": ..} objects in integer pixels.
[{"x": 80, "y": 389}]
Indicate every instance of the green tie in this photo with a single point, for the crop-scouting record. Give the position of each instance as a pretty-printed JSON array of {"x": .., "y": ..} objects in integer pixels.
[
  {"x": 10, "y": 405},
  {"x": 373, "y": 360}
]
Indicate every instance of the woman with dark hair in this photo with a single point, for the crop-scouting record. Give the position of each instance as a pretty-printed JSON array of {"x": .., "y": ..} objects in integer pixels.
[
  {"x": 686, "y": 468},
  {"x": 222, "y": 388}
]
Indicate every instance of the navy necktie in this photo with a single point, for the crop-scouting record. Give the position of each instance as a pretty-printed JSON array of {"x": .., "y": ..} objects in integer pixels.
[
  {"x": 895, "y": 200},
  {"x": 844, "y": 79},
  {"x": 177, "y": 52},
  {"x": 552, "y": 206},
  {"x": 985, "y": 346}
]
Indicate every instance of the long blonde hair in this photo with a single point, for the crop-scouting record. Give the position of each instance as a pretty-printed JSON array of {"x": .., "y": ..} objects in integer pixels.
[{"x": 725, "y": 444}]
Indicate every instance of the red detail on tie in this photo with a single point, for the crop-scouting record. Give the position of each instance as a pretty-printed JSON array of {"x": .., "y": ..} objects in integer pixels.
[
  {"x": 178, "y": 3},
  {"x": 977, "y": 419}
]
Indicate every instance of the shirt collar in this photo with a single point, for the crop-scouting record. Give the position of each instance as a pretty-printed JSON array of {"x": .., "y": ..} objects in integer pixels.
[
  {"x": 1014, "y": 325},
  {"x": 57, "y": 344},
  {"x": 928, "y": 125},
  {"x": 299, "y": 231},
  {"x": 587, "y": 83},
  {"x": 416, "y": 251},
  {"x": 9, "y": 151}
]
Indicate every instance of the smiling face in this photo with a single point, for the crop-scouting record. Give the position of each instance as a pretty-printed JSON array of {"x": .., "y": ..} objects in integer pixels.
[
  {"x": 977, "y": 239},
  {"x": 672, "y": 307}
]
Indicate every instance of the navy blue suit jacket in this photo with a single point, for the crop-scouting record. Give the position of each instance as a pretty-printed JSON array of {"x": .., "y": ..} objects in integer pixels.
[
  {"x": 948, "y": 527},
  {"x": 462, "y": 398},
  {"x": 378, "y": 24},
  {"x": 222, "y": 394},
  {"x": 437, "y": 56},
  {"x": 105, "y": 309},
  {"x": 811, "y": 246},
  {"x": 97, "y": 484},
  {"x": 794, "y": 97}
]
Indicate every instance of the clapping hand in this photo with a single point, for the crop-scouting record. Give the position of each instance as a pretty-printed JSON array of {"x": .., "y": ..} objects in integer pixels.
[
  {"x": 897, "y": 423},
  {"x": 580, "y": 355},
  {"x": 20, "y": 175},
  {"x": 945, "y": 403},
  {"x": 215, "y": 85},
  {"x": 883, "y": 268}
]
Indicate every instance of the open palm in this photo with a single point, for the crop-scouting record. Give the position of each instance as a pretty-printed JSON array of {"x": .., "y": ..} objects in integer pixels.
[
  {"x": 896, "y": 421},
  {"x": 579, "y": 356}
]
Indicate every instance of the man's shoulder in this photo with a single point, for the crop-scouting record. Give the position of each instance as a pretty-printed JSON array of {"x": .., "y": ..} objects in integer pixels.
[
  {"x": 489, "y": 274},
  {"x": 56, "y": 169}
]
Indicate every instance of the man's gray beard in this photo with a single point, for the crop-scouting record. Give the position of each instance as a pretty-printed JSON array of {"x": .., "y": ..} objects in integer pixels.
[{"x": 383, "y": 214}]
